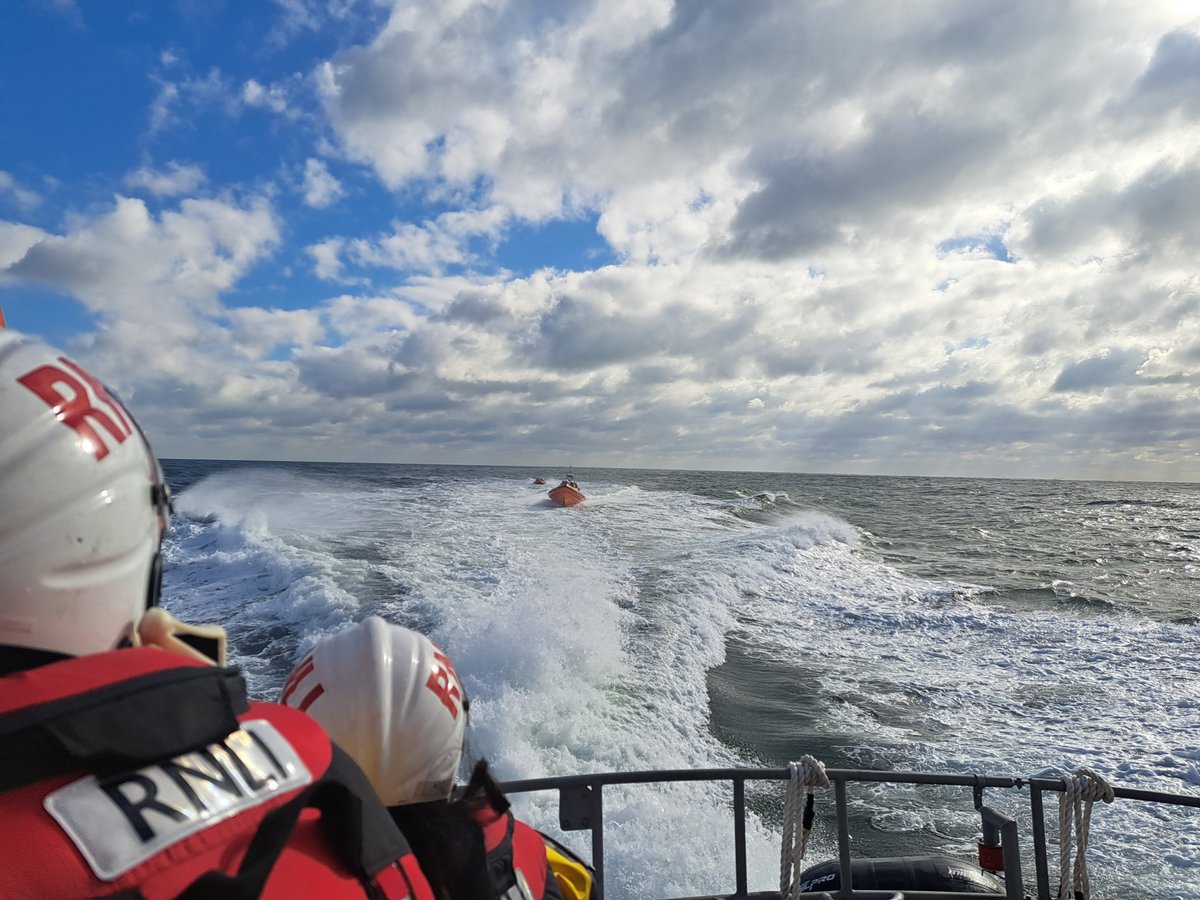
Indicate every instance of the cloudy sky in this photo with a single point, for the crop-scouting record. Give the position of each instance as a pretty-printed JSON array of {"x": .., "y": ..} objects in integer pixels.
[{"x": 955, "y": 238}]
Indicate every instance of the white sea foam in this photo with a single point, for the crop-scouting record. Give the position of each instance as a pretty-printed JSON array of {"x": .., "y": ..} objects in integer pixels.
[{"x": 956, "y": 685}]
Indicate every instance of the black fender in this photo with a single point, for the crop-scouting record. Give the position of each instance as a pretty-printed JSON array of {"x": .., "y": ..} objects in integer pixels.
[{"x": 904, "y": 873}]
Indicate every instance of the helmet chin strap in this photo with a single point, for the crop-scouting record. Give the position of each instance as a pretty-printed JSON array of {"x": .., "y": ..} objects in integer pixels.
[{"x": 154, "y": 586}]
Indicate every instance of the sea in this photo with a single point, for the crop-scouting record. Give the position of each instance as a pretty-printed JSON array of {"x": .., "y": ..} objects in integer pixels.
[{"x": 681, "y": 619}]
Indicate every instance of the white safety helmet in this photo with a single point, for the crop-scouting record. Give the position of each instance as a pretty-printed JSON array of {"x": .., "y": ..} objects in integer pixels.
[
  {"x": 83, "y": 507},
  {"x": 392, "y": 700}
]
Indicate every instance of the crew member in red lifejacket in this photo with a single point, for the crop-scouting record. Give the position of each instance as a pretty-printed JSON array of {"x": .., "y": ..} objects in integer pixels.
[
  {"x": 126, "y": 770},
  {"x": 393, "y": 701},
  {"x": 519, "y": 858}
]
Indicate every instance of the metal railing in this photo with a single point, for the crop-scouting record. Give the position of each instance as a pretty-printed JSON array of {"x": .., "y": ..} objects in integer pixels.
[{"x": 581, "y": 808}]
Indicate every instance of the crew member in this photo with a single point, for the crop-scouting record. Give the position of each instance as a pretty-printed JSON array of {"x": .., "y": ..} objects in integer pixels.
[
  {"x": 126, "y": 770},
  {"x": 515, "y": 849},
  {"x": 392, "y": 699}
]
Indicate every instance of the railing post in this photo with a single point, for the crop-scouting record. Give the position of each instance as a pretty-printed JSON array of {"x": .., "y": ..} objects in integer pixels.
[
  {"x": 1039, "y": 840},
  {"x": 739, "y": 834},
  {"x": 1012, "y": 861},
  {"x": 846, "y": 891},
  {"x": 581, "y": 807},
  {"x": 598, "y": 837},
  {"x": 994, "y": 824}
]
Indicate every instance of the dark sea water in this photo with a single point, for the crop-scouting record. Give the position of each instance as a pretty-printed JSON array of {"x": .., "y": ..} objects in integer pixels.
[{"x": 683, "y": 619}]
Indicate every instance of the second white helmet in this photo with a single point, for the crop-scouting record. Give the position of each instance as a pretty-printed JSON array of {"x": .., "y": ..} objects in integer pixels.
[{"x": 392, "y": 700}]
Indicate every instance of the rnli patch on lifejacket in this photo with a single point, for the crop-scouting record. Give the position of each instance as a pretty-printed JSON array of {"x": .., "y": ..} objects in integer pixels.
[{"x": 121, "y": 821}]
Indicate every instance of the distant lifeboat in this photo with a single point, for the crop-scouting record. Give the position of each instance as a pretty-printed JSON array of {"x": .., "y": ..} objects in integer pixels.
[
  {"x": 539, "y": 481},
  {"x": 567, "y": 493}
]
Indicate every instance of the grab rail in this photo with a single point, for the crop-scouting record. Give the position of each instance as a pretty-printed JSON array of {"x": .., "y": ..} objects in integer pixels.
[{"x": 581, "y": 808}]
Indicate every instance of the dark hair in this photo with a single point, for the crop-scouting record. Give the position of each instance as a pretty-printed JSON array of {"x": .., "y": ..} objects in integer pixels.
[
  {"x": 482, "y": 783},
  {"x": 448, "y": 843}
]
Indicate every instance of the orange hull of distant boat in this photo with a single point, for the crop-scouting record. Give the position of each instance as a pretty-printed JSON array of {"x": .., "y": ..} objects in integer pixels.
[{"x": 565, "y": 495}]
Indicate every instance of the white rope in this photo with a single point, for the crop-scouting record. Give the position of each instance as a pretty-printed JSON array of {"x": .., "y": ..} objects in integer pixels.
[
  {"x": 1080, "y": 791},
  {"x": 804, "y": 776}
]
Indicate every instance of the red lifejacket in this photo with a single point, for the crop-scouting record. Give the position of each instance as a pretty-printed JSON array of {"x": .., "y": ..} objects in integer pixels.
[
  {"x": 514, "y": 848},
  {"x": 140, "y": 773}
]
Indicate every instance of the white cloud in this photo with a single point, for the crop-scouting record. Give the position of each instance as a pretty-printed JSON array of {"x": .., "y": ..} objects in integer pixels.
[
  {"x": 15, "y": 241},
  {"x": 177, "y": 101},
  {"x": 130, "y": 265},
  {"x": 456, "y": 92},
  {"x": 364, "y": 317},
  {"x": 162, "y": 109},
  {"x": 321, "y": 189},
  {"x": 428, "y": 247},
  {"x": 26, "y": 199},
  {"x": 258, "y": 332},
  {"x": 645, "y": 112},
  {"x": 299, "y": 15},
  {"x": 175, "y": 179},
  {"x": 433, "y": 245},
  {"x": 326, "y": 257},
  {"x": 425, "y": 248},
  {"x": 272, "y": 97},
  {"x": 312, "y": 15}
]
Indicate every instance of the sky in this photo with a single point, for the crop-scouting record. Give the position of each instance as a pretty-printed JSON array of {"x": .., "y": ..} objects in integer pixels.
[{"x": 931, "y": 238}]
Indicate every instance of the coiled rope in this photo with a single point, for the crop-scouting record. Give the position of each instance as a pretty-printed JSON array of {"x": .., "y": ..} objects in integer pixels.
[
  {"x": 804, "y": 775},
  {"x": 1080, "y": 790}
]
